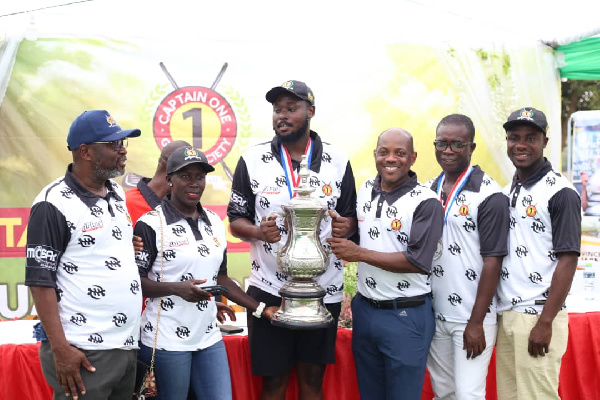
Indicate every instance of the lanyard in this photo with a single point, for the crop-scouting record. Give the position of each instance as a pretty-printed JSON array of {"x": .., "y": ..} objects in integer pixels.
[
  {"x": 293, "y": 179},
  {"x": 458, "y": 185}
]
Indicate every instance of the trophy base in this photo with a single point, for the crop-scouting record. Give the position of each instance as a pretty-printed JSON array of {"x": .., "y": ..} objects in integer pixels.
[{"x": 302, "y": 307}]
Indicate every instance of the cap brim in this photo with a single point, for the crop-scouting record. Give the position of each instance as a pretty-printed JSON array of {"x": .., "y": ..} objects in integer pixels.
[
  {"x": 274, "y": 93},
  {"x": 126, "y": 133},
  {"x": 511, "y": 124},
  {"x": 207, "y": 167}
]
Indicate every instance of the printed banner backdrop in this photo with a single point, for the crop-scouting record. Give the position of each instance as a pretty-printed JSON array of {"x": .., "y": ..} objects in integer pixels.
[
  {"x": 211, "y": 93},
  {"x": 585, "y": 162}
]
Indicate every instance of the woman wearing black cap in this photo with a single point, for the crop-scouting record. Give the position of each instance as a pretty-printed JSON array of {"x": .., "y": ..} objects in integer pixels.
[{"x": 180, "y": 318}]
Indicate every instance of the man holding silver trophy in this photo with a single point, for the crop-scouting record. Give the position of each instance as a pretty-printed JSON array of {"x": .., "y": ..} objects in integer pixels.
[{"x": 268, "y": 179}]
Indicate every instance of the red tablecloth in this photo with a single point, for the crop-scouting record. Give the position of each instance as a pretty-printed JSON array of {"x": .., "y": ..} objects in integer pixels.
[{"x": 21, "y": 376}]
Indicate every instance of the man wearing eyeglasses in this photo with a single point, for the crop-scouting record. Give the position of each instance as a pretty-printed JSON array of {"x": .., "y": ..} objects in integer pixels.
[
  {"x": 466, "y": 269},
  {"x": 545, "y": 240},
  {"x": 81, "y": 267}
]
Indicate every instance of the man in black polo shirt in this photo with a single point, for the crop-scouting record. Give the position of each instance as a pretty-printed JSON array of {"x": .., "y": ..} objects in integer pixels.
[
  {"x": 81, "y": 267},
  {"x": 400, "y": 224}
]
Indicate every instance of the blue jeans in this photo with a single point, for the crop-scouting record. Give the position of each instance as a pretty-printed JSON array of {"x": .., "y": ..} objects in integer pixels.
[{"x": 206, "y": 370}]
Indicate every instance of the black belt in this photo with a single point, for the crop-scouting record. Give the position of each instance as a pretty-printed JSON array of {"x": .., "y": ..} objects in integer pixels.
[{"x": 400, "y": 302}]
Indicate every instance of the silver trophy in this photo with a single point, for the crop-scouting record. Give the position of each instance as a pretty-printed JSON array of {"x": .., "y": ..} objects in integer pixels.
[{"x": 302, "y": 258}]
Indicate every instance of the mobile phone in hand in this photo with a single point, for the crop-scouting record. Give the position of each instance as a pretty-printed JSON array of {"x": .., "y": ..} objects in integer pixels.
[{"x": 215, "y": 290}]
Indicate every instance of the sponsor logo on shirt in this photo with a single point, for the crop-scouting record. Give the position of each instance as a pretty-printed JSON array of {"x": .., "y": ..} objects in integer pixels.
[
  {"x": 179, "y": 243},
  {"x": 41, "y": 256}
]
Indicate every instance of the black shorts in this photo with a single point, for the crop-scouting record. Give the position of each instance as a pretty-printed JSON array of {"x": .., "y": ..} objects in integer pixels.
[{"x": 275, "y": 350}]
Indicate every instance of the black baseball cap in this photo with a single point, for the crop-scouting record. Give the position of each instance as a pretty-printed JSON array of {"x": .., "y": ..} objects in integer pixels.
[
  {"x": 297, "y": 88},
  {"x": 185, "y": 156},
  {"x": 527, "y": 116}
]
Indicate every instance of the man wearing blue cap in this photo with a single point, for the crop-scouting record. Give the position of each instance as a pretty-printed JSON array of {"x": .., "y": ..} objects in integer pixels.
[{"x": 81, "y": 267}]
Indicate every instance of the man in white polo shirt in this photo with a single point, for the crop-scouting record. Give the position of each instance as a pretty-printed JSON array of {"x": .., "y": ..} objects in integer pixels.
[
  {"x": 465, "y": 273},
  {"x": 545, "y": 239},
  {"x": 400, "y": 223},
  {"x": 81, "y": 267}
]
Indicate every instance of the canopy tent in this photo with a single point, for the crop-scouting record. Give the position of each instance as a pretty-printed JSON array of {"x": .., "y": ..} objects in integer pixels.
[{"x": 580, "y": 59}]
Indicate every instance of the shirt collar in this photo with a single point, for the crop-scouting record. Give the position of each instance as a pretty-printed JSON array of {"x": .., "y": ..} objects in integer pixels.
[
  {"x": 148, "y": 194},
  {"x": 533, "y": 178},
  {"x": 317, "y": 151},
  {"x": 88, "y": 198},
  {"x": 172, "y": 215},
  {"x": 396, "y": 192}
]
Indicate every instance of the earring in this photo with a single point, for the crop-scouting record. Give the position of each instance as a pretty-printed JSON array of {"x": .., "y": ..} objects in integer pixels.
[{"x": 170, "y": 184}]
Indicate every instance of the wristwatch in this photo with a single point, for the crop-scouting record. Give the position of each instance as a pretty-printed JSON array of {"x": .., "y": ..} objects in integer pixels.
[{"x": 258, "y": 312}]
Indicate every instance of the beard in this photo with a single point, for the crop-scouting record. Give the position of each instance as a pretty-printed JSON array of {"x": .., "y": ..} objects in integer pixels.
[
  {"x": 105, "y": 173},
  {"x": 294, "y": 136}
]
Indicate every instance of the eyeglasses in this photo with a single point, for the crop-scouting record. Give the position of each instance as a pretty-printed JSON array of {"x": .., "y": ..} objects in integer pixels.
[
  {"x": 455, "y": 145},
  {"x": 116, "y": 145}
]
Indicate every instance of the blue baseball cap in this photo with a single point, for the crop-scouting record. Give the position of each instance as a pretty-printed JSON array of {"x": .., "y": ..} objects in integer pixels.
[{"x": 96, "y": 126}]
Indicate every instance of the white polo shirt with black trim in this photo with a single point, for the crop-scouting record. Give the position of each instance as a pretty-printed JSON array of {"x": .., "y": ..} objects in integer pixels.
[
  {"x": 259, "y": 186},
  {"x": 81, "y": 244},
  {"x": 407, "y": 219},
  {"x": 476, "y": 227},
  {"x": 191, "y": 250},
  {"x": 545, "y": 220}
]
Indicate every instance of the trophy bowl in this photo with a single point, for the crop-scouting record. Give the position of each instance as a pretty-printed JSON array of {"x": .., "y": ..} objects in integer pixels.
[{"x": 303, "y": 258}]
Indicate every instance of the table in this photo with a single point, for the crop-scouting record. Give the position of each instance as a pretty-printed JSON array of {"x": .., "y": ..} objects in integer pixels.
[{"x": 21, "y": 376}]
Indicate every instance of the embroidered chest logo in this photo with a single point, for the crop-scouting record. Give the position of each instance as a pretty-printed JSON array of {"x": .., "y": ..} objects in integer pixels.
[
  {"x": 327, "y": 190},
  {"x": 395, "y": 225}
]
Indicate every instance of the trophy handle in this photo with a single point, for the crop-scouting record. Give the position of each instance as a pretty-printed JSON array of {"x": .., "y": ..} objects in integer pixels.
[{"x": 279, "y": 214}]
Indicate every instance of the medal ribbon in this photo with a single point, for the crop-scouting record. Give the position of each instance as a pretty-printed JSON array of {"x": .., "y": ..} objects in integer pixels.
[
  {"x": 293, "y": 179},
  {"x": 458, "y": 185}
]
